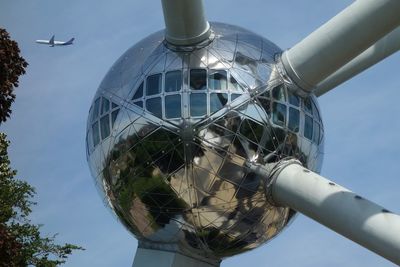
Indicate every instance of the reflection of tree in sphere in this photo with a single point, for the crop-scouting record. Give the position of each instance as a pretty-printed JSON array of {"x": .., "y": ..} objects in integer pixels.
[{"x": 171, "y": 132}]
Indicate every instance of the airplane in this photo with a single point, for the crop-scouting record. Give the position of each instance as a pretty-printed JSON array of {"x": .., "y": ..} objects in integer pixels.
[{"x": 53, "y": 43}]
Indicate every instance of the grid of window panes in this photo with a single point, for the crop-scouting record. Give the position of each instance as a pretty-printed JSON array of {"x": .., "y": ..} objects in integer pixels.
[
  {"x": 298, "y": 115},
  {"x": 293, "y": 111},
  {"x": 209, "y": 91},
  {"x": 102, "y": 116},
  {"x": 313, "y": 129}
]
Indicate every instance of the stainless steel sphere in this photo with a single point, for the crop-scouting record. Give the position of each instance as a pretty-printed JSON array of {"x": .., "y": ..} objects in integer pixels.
[{"x": 172, "y": 131}]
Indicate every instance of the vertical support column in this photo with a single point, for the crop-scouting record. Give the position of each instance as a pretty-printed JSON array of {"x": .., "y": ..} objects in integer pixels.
[{"x": 158, "y": 258}]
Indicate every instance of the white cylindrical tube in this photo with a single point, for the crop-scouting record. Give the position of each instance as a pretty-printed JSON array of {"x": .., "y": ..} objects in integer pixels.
[
  {"x": 341, "y": 210},
  {"x": 385, "y": 47},
  {"x": 185, "y": 23},
  {"x": 340, "y": 40}
]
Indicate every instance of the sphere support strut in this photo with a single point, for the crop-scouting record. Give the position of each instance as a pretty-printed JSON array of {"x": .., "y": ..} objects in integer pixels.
[
  {"x": 340, "y": 40},
  {"x": 185, "y": 22},
  {"x": 385, "y": 47},
  {"x": 334, "y": 206}
]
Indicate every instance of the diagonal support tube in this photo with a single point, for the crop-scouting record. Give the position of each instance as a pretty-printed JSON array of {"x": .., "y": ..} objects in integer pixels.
[
  {"x": 334, "y": 206},
  {"x": 385, "y": 47},
  {"x": 340, "y": 40},
  {"x": 185, "y": 22}
]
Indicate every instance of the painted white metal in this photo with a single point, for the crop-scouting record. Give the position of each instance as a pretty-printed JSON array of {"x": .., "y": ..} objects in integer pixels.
[
  {"x": 158, "y": 258},
  {"x": 339, "y": 209},
  {"x": 340, "y": 40},
  {"x": 185, "y": 22},
  {"x": 385, "y": 47}
]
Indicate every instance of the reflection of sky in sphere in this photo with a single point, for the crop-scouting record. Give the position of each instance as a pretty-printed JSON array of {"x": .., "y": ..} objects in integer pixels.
[{"x": 171, "y": 135}]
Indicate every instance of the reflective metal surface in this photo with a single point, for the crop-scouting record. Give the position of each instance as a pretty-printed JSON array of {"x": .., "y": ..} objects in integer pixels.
[{"x": 171, "y": 132}]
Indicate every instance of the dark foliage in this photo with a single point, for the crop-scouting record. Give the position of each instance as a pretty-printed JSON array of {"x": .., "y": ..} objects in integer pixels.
[{"x": 12, "y": 65}]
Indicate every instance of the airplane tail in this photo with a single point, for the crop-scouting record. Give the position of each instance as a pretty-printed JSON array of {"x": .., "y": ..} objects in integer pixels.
[
  {"x": 70, "y": 41},
  {"x": 51, "y": 42}
]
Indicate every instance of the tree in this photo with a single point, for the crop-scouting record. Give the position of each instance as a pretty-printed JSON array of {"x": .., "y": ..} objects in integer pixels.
[
  {"x": 12, "y": 65},
  {"x": 21, "y": 243}
]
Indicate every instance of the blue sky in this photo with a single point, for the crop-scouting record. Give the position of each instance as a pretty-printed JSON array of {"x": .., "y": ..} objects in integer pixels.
[{"x": 47, "y": 127}]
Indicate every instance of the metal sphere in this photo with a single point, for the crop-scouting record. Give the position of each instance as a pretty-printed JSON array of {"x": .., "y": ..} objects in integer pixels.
[{"x": 171, "y": 133}]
